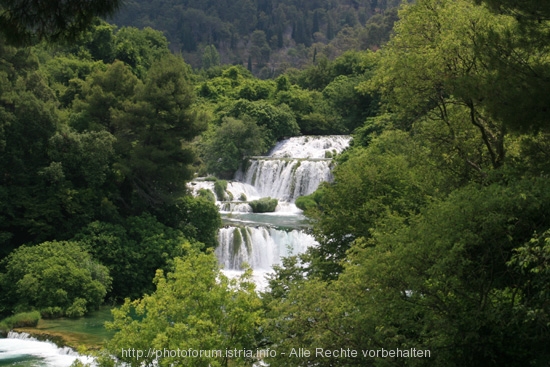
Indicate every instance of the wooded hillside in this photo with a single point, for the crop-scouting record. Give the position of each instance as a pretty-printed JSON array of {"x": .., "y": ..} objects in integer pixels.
[{"x": 267, "y": 36}]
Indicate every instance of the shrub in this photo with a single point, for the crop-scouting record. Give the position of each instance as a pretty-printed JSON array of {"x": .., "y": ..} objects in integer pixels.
[
  {"x": 219, "y": 188},
  {"x": 305, "y": 202},
  {"x": 77, "y": 309},
  {"x": 242, "y": 197},
  {"x": 207, "y": 194},
  {"x": 134, "y": 249},
  {"x": 264, "y": 205},
  {"x": 312, "y": 201},
  {"x": 223, "y": 149},
  {"x": 23, "y": 319},
  {"x": 51, "y": 312}
]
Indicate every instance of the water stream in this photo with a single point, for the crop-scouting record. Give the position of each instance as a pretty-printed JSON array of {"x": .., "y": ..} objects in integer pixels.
[
  {"x": 293, "y": 168},
  {"x": 20, "y": 349}
]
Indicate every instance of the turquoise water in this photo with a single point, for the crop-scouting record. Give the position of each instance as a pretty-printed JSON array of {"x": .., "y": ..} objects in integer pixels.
[
  {"x": 22, "y": 350},
  {"x": 276, "y": 220},
  {"x": 23, "y": 361},
  {"x": 88, "y": 330}
]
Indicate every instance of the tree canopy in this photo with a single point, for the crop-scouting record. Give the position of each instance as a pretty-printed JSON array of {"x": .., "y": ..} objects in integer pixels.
[{"x": 28, "y": 21}]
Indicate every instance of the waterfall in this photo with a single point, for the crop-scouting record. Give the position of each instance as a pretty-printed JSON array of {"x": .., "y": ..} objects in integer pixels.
[
  {"x": 22, "y": 349},
  {"x": 293, "y": 168},
  {"x": 310, "y": 147},
  {"x": 259, "y": 247},
  {"x": 286, "y": 179}
]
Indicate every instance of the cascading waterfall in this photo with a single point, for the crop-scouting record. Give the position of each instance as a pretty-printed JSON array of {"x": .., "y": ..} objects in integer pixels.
[
  {"x": 259, "y": 247},
  {"x": 293, "y": 168},
  {"x": 286, "y": 179}
]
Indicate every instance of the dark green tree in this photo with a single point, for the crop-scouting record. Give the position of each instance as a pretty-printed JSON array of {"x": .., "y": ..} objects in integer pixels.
[
  {"x": 225, "y": 147},
  {"x": 28, "y": 21},
  {"x": 132, "y": 251},
  {"x": 279, "y": 121},
  {"x": 152, "y": 121},
  {"x": 53, "y": 277}
]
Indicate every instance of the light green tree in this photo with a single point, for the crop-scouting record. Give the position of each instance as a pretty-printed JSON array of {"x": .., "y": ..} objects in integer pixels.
[
  {"x": 433, "y": 69},
  {"x": 194, "y": 307}
]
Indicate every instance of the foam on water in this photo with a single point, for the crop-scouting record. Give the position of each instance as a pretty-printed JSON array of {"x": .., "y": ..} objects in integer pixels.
[
  {"x": 310, "y": 146},
  {"x": 294, "y": 167},
  {"x": 22, "y": 349}
]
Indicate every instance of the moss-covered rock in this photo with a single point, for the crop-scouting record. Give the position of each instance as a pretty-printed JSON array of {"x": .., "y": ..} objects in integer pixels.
[{"x": 264, "y": 205}]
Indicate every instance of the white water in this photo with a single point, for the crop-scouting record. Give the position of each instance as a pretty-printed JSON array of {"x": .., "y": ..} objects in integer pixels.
[
  {"x": 286, "y": 179},
  {"x": 310, "y": 146},
  {"x": 259, "y": 247},
  {"x": 19, "y": 349},
  {"x": 295, "y": 167}
]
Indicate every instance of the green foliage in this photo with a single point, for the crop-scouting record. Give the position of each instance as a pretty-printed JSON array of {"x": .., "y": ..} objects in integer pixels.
[
  {"x": 53, "y": 274},
  {"x": 150, "y": 120},
  {"x": 391, "y": 177},
  {"x": 28, "y": 120},
  {"x": 264, "y": 33},
  {"x": 210, "y": 57},
  {"x": 447, "y": 74},
  {"x": 417, "y": 282},
  {"x": 207, "y": 194},
  {"x": 305, "y": 203},
  {"x": 198, "y": 219},
  {"x": 219, "y": 188},
  {"x": 140, "y": 48},
  {"x": 255, "y": 90},
  {"x": 214, "y": 313},
  {"x": 132, "y": 251},
  {"x": 311, "y": 203},
  {"x": 279, "y": 121},
  {"x": 22, "y": 319},
  {"x": 264, "y": 205},
  {"x": 77, "y": 309},
  {"x": 224, "y": 148},
  {"x": 23, "y": 23}
]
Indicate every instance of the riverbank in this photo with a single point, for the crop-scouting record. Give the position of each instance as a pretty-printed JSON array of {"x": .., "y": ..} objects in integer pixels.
[{"x": 88, "y": 331}]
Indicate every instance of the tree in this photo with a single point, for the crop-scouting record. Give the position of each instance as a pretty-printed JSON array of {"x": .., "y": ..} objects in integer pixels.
[
  {"x": 28, "y": 118},
  {"x": 197, "y": 217},
  {"x": 450, "y": 280},
  {"x": 153, "y": 122},
  {"x": 140, "y": 48},
  {"x": 210, "y": 57},
  {"x": 433, "y": 69},
  {"x": 228, "y": 144},
  {"x": 194, "y": 307},
  {"x": 392, "y": 177},
  {"x": 279, "y": 121},
  {"x": 56, "y": 278},
  {"x": 132, "y": 251},
  {"x": 526, "y": 11},
  {"x": 24, "y": 22}
]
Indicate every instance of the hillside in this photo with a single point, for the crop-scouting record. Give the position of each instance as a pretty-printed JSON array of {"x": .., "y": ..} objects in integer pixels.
[{"x": 267, "y": 36}]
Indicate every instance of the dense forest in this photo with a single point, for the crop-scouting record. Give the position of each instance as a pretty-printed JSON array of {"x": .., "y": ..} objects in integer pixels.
[
  {"x": 266, "y": 36},
  {"x": 434, "y": 235}
]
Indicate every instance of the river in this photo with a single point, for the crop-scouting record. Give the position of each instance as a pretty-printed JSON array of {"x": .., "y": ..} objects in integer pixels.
[{"x": 294, "y": 167}]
